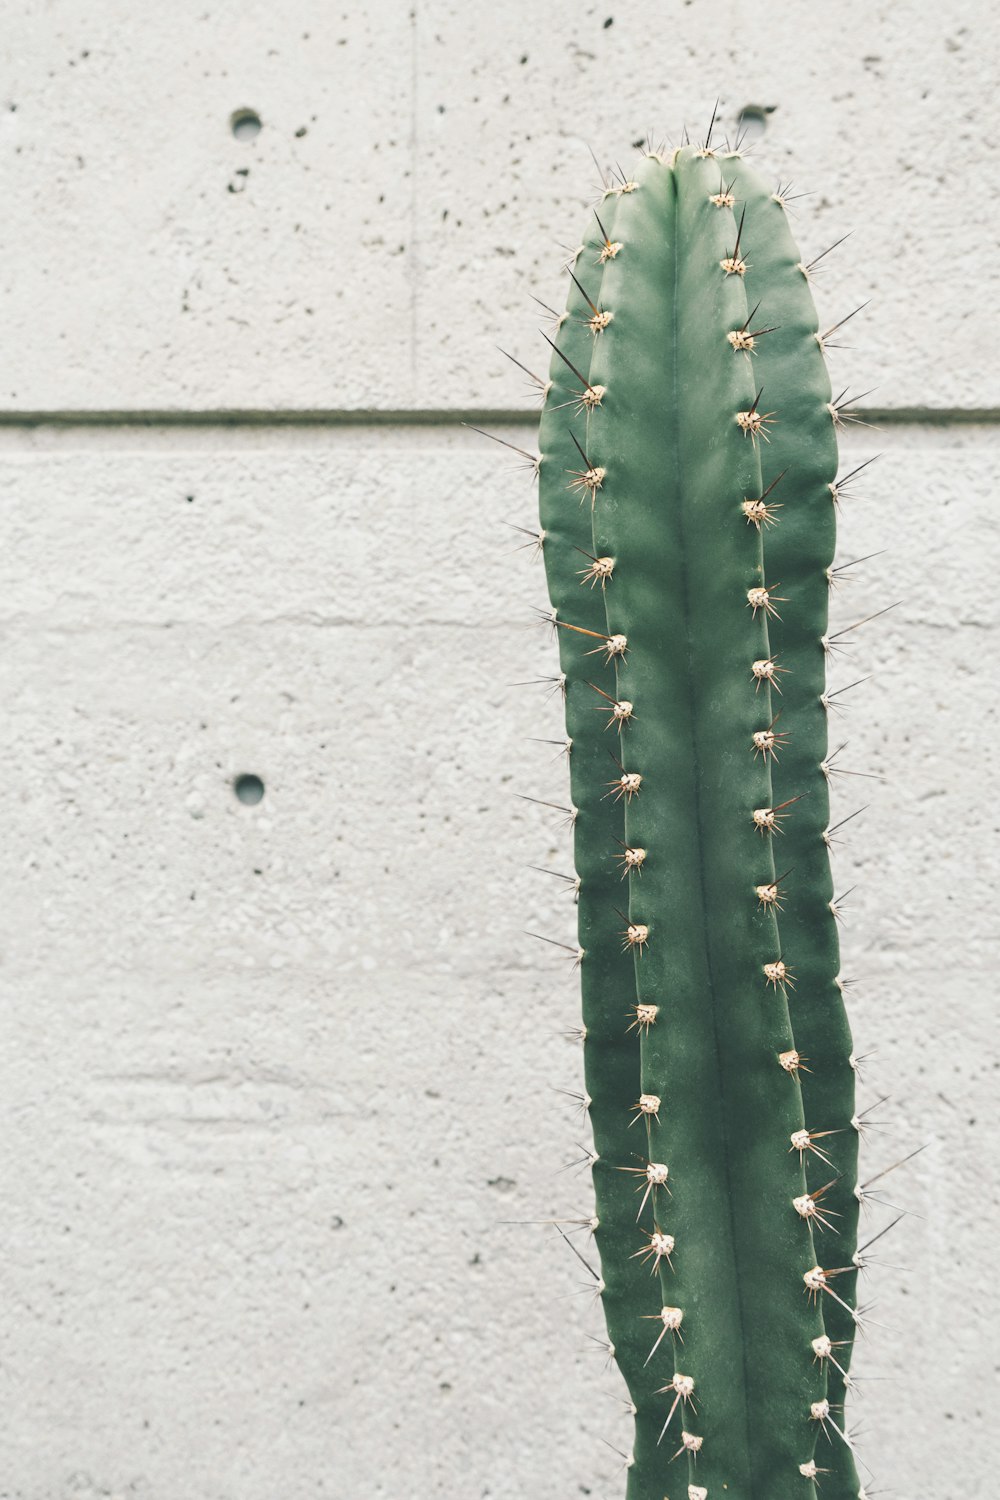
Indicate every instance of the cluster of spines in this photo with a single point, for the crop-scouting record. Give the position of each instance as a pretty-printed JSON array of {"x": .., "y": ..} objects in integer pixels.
[{"x": 585, "y": 480}]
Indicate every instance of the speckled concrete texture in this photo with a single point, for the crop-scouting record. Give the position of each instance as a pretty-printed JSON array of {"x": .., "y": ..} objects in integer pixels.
[
  {"x": 417, "y": 166},
  {"x": 281, "y": 1082},
  {"x": 279, "y": 1076}
]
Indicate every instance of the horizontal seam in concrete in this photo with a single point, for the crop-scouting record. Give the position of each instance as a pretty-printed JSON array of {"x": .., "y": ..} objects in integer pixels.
[{"x": 410, "y": 417}]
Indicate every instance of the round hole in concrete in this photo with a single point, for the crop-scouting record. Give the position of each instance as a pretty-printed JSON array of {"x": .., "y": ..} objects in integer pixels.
[
  {"x": 751, "y": 121},
  {"x": 245, "y": 124},
  {"x": 249, "y": 789}
]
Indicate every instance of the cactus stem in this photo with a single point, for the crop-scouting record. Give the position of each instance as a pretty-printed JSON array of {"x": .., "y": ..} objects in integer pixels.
[
  {"x": 753, "y": 423},
  {"x": 609, "y": 248},
  {"x": 768, "y": 819},
  {"x": 599, "y": 319},
  {"x": 589, "y": 478},
  {"x": 647, "y": 1106},
  {"x": 630, "y": 859},
  {"x": 767, "y": 670},
  {"x": 823, "y": 1348},
  {"x": 626, "y": 786},
  {"x": 817, "y": 1280},
  {"x": 724, "y": 197},
  {"x": 744, "y": 337},
  {"x": 621, "y": 709},
  {"x": 763, "y": 598},
  {"x": 671, "y": 1318},
  {"x": 768, "y": 741},
  {"x": 636, "y": 935},
  {"x": 690, "y": 1443},
  {"x": 769, "y": 896},
  {"x": 732, "y": 263},
  {"x": 584, "y": 382},
  {"x": 758, "y": 513},
  {"x": 756, "y": 509},
  {"x": 805, "y": 1140},
  {"x": 644, "y": 1016},
  {"x": 660, "y": 1247},
  {"x": 614, "y": 645},
  {"x": 819, "y": 1411},
  {"x": 624, "y": 183},
  {"x": 600, "y": 570},
  {"x": 587, "y": 481},
  {"x": 793, "y": 1062},
  {"x": 591, "y": 397},
  {"x": 654, "y": 1174},
  {"x": 682, "y": 1387},
  {"x": 809, "y": 1206}
]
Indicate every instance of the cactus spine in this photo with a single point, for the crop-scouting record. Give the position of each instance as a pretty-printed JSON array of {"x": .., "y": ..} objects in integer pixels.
[{"x": 687, "y": 477}]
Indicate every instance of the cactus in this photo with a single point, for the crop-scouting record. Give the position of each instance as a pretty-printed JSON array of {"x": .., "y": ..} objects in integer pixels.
[{"x": 687, "y": 481}]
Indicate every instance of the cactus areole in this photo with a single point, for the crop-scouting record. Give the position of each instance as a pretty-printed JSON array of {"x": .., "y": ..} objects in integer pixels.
[{"x": 688, "y": 487}]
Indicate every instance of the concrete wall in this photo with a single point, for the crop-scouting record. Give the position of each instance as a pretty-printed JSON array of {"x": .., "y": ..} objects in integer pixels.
[{"x": 277, "y": 1078}]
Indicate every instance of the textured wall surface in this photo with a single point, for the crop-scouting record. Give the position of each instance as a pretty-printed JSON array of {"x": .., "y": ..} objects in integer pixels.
[{"x": 281, "y": 1081}]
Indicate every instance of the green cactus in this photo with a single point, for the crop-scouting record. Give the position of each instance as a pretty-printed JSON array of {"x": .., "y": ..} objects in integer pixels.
[
  {"x": 599, "y": 791},
  {"x": 687, "y": 478},
  {"x": 790, "y": 363}
]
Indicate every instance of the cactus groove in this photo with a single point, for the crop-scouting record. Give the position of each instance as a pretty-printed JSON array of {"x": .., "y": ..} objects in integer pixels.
[{"x": 688, "y": 449}]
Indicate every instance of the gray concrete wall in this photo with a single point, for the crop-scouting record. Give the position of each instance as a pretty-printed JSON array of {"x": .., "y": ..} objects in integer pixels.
[{"x": 277, "y": 1078}]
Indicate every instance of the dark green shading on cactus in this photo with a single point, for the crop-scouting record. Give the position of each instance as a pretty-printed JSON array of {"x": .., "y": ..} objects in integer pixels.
[
  {"x": 577, "y": 580},
  {"x": 688, "y": 574}
]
